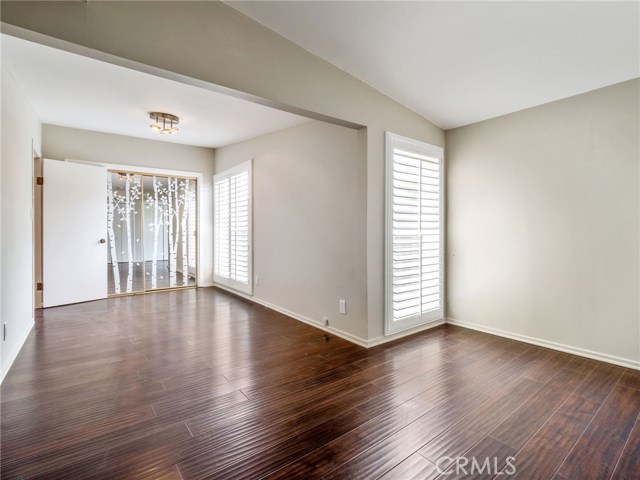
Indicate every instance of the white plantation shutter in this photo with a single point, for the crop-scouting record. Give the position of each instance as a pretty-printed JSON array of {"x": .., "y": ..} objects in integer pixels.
[
  {"x": 239, "y": 231},
  {"x": 414, "y": 270},
  {"x": 232, "y": 228},
  {"x": 221, "y": 227}
]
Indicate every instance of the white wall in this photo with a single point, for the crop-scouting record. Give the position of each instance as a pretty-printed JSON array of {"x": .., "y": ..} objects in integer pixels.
[
  {"x": 543, "y": 223},
  {"x": 20, "y": 135},
  {"x": 61, "y": 143},
  {"x": 309, "y": 220},
  {"x": 238, "y": 53}
]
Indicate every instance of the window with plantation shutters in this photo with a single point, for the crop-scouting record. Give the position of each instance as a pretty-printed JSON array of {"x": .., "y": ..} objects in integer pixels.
[
  {"x": 232, "y": 228},
  {"x": 414, "y": 261}
]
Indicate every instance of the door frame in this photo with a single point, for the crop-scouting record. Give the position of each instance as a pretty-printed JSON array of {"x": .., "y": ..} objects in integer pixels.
[{"x": 36, "y": 226}]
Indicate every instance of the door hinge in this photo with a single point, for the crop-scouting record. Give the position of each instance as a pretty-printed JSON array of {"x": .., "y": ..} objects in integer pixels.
[
  {"x": 39, "y": 180},
  {"x": 39, "y": 286}
]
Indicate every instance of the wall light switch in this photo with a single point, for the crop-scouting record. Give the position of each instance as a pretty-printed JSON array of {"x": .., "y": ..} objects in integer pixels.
[
  {"x": 257, "y": 282},
  {"x": 343, "y": 307}
]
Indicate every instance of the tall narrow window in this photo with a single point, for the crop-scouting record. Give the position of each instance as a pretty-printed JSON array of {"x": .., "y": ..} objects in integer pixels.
[
  {"x": 232, "y": 228},
  {"x": 414, "y": 240}
]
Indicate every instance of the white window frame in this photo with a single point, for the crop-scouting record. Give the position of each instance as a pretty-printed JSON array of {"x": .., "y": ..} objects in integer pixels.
[
  {"x": 235, "y": 285},
  {"x": 392, "y": 141}
]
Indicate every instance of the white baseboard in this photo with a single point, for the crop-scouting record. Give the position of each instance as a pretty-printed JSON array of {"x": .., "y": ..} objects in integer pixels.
[
  {"x": 390, "y": 338},
  {"x": 603, "y": 357},
  {"x": 16, "y": 350},
  {"x": 314, "y": 323},
  {"x": 336, "y": 331}
]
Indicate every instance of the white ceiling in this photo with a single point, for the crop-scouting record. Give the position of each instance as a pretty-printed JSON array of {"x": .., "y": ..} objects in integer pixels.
[
  {"x": 75, "y": 91},
  {"x": 457, "y": 63}
]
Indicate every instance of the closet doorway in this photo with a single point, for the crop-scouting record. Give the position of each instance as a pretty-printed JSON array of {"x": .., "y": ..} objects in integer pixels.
[{"x": 151, "y": 232}]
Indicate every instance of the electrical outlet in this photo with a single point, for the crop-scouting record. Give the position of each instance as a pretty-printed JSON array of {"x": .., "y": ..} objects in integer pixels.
[
  {"x": 257, "y": 281},
  {"x": 325, "y": 321},
  {"x": 343, "y": 306}
]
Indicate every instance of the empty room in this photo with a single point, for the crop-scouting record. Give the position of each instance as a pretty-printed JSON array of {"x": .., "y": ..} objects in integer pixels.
[{"x": 320, "y": 240}]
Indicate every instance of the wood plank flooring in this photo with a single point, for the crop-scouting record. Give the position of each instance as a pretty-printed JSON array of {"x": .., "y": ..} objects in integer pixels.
[{"x": 196, "y": 384}]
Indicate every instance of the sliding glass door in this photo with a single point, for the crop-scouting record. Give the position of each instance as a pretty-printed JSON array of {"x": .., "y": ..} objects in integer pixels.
[
  {"x": 170, "y": 243},
  {"x": 124, "y": 233},
  {"x": 151, "y": 231}
]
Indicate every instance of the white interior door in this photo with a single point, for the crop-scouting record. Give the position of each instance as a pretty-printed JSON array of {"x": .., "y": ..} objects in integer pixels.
[{"x": 74, "y": 220}]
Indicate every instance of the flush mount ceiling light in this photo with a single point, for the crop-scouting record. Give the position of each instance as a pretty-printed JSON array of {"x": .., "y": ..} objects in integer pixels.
[{"x": 164, "y": 123}]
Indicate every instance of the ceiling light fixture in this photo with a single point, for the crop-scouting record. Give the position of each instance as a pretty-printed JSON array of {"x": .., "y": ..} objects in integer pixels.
[{"x": 164, "y": 123}]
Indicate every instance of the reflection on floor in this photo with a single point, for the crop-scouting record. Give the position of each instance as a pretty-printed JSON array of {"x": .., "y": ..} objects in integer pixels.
[
  {"x": 198, "y": 383},
  {"x": 141, "y": 280}
]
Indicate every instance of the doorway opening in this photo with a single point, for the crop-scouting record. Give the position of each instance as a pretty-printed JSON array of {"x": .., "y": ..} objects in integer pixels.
[{"x": 151, "y": 232}]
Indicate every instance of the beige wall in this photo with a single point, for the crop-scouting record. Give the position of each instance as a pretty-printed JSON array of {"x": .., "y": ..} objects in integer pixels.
[
  {"x": 20, "y": 135},
  {"x": 309, "y": 220},
  {"x": 543, "y": 220},
  {"x": 61, "y": 143},
  {"x": 213, "y": 42}
]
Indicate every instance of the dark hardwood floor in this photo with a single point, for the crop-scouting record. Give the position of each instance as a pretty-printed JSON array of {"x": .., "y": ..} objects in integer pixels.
[{"x": 198, "y": 383}]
